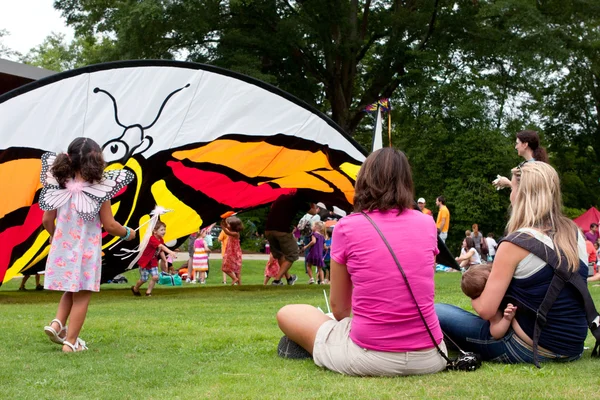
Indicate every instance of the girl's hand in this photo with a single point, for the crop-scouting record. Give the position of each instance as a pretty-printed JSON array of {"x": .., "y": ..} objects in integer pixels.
[
  {"x": 131, "y": 235},
  {"x": 174, "y": 255}
]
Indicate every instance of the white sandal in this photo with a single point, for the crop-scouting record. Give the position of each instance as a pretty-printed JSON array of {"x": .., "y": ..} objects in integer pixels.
[
  {"x": 53, "y": 335},
  {"x": 78, "y": 346}
]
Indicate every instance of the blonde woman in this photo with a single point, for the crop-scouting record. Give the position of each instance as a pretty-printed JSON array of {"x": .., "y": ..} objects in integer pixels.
[{"x": 520, "y": 275}]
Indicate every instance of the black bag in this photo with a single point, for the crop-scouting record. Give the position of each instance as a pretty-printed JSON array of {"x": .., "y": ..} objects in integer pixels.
[{"x": 467, "y": 361}]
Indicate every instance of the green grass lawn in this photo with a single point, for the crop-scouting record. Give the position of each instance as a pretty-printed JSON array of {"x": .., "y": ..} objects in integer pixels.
[{"x": 217, "y": 341}]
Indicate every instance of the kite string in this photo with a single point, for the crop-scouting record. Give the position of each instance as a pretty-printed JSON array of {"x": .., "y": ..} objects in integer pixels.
[{"x": 135, "y": 230}]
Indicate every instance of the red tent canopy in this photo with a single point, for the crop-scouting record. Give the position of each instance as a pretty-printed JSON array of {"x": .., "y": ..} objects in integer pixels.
[{"x": 590, "y": 216}]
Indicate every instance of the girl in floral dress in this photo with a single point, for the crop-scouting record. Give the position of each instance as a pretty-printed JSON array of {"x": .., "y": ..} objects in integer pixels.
[
  {"x": 271, "y": 269},
  {"x": 232, "y": 260},
  {"x": 74, "y": 219}
]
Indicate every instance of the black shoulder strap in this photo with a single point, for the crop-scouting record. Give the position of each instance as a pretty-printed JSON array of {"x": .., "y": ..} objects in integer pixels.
[{"x": 561, "y": 277}]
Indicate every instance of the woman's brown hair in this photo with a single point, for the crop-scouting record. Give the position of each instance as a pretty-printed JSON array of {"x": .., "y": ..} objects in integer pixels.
[
  {"x": 533, "y": 141},
  {"x": 83, "y": 155},
  {"x": 384, "y": 182}
]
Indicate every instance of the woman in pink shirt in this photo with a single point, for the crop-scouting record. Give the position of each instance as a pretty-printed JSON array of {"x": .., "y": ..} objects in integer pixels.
[{"x": 377, "y": 330}]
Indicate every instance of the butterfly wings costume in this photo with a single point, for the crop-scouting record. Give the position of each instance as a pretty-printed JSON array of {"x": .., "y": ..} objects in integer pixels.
[{"x": 75, "y": 257}]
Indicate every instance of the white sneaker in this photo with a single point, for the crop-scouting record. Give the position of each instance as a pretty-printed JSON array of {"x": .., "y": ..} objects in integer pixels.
[
  {"x": 194, "y": 281},
  {"x": 188, "y": 280},
  {"x": 311, "y": 281}
]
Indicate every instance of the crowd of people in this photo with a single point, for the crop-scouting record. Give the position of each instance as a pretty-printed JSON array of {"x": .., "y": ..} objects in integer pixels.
[{"x": 383, "y": 319}]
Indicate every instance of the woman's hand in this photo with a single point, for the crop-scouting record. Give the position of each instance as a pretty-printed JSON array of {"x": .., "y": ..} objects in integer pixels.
[{"x": 501, "y": 182}]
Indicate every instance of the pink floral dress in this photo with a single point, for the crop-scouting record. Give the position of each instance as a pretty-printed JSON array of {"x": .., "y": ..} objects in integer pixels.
[
  {"x": 272, "y": 268},
  {"x": 232, "y": 259},
  {"x": 75, "y": 258}
]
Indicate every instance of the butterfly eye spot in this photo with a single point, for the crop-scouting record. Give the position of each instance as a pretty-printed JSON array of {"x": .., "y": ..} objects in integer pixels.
[{"x": 114, "y": 148}]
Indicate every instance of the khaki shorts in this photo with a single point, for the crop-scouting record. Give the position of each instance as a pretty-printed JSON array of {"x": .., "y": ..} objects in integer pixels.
[
  {"x": 283, "y": 244},
  {"x": 335, "y": 351}
]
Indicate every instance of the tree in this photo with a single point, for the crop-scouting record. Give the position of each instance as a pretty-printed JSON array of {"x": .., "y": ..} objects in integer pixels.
[
  {"x": 341, "y": 55},
  {"x": 57, "y": 55},
  {"x": 5, "y": 51}
]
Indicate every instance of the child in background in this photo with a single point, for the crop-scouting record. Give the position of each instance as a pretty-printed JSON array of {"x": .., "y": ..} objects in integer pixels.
[
  {"x": 271, "y": 269},
  {"x": 209, "y": 242},
  {"x": 232, "y": 259},
  {"x": 223, "y": 239},
  {"x": 74, "y": 263},
  {"x": 166, "y": 263},
  {"x": 148, "y": 262},
  {"x": 200, "y": 263},
  {"x": 188, "y": 275},
  {"x": 472, "y": 284},
  {"x": 327, "y": 256},
  {"x": 315, "y": 249},
  {"x": 26, "y": 275}
]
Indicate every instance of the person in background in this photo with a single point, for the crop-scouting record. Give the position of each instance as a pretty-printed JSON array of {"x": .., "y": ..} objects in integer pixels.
[
  {"x": 148, "y": 261},
  {"x": 492, "y": 246},
  {"x": 468, "y": 254},
  {"x": 592, "y": 234},
  {"x": 528, "y": 146},
  {"x": 443, "y": 218},
  {"x": 271, "y": 269},
  {"x": 26, "y": 275},
  {"x": 232, "y": 260},
  {"x": 327, "y": 256},
  {"x": 424, "y": 210},
  {"x": 477, "y": 238},
  {"x": 315, "y": 248},
  {"x": 223, "y": 239},
  {"x": 278, "y": 231}
]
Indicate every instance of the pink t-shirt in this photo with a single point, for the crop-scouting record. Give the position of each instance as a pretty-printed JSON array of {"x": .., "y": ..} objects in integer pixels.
[{"x": 385, "y": 317}]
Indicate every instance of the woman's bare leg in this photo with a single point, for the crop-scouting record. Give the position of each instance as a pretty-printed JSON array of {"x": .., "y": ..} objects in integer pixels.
[{"x": 300, "y": 323}]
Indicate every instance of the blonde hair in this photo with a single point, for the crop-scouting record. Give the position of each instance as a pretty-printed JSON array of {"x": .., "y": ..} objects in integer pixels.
[
  {"x": 538, "y": 203},
  {"x": 321, "y": 228}
]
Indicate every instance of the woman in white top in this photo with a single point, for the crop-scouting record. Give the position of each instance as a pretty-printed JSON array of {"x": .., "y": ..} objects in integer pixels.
[{"x": 469, "y": 255}]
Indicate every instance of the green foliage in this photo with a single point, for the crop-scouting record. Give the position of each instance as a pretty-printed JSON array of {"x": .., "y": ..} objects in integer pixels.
[
  {"x": 463, "y": 77},
  {"x": 219, "y": 342},
  {"x": 5, "y": 51},
  {"x": 56, "y": 54},
  {"x": 573, "y": 212}
]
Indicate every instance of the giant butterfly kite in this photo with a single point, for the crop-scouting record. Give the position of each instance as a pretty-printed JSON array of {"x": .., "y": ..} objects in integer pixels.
[{"x": 199, "y": 140}]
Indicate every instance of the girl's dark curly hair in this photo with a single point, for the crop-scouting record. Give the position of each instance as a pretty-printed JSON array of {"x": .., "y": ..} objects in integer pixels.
[
  {"x": 84, "y": 155},
  {"x": 235, "y": 224}
]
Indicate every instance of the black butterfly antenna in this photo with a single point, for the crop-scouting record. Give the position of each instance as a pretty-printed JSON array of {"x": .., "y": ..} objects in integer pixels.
[
  {"x": 164, "y": 104},
  {"x": 96, "y": 90}
]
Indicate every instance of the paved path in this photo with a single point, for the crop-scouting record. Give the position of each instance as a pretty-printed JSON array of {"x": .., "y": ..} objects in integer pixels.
[{"x": 216, "y": 255}]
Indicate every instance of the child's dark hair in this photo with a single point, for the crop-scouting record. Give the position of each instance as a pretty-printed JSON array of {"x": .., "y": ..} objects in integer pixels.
[
  {"x": 159, "y": 224},
  {"x": 235, "y": 224},
  {"x": 84, "y": 155},
  {"x": 474, "y": 280}
]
